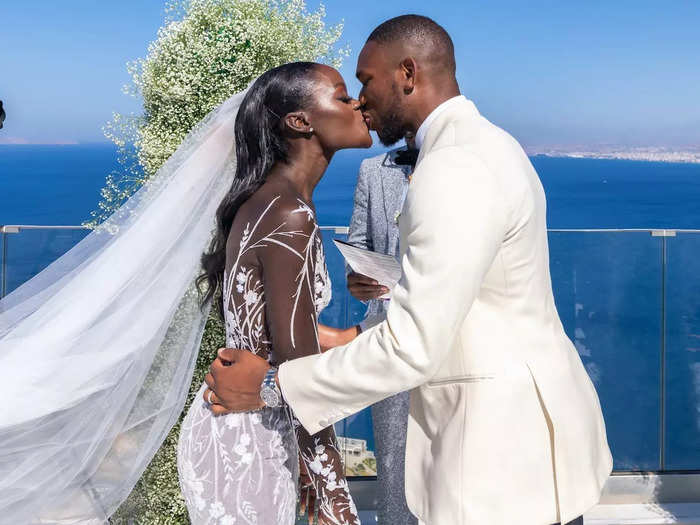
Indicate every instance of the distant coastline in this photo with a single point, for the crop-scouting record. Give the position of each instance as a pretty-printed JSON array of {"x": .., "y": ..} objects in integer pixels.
[
  {"x": 642, "y": 154},
  {"x": 650, "y": 154}
]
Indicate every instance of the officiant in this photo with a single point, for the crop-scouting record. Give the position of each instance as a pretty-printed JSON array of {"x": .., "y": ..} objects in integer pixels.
[{"x": 381, "y": 189}]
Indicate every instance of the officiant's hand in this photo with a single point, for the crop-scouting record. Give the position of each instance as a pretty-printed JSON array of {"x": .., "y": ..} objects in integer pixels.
[
  {"x": 234, "y": 381},
  {"x": 364, "y": 288}
]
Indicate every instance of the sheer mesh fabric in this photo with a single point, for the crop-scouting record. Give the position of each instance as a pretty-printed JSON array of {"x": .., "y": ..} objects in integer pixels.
[{"x": 243, "y": 467}]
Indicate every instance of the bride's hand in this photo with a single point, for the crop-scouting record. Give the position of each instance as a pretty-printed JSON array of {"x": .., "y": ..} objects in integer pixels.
[
  {"x": 307, "y": 492},
  {"x": 329, "y": 337}
]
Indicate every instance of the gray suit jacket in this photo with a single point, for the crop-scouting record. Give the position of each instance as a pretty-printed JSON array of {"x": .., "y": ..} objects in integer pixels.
[{"x": 379, "y": 195}]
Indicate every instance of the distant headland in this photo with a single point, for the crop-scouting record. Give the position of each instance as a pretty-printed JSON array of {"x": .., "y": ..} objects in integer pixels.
[{"x": 649, "y": 154}]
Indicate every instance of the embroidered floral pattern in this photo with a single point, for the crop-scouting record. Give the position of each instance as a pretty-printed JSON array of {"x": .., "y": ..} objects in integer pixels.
[{"x": 243, "y": 468}]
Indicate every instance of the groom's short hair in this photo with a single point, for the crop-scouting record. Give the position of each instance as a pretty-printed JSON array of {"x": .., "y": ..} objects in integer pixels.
[{"x": 421, "y": 31}]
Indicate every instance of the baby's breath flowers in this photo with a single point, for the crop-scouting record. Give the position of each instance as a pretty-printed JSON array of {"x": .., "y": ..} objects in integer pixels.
[{"x": 206, "y": 51}]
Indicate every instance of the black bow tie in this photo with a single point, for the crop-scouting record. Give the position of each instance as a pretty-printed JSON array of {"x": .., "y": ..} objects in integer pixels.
[{"x": 406, "y": 157}]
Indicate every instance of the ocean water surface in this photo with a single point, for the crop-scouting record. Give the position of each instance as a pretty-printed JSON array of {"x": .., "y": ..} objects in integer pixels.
[{"x": 60, "y": 185}]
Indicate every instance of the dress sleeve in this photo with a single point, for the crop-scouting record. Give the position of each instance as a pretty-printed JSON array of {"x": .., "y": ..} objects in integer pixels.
[{"x": 292, "y": 290}]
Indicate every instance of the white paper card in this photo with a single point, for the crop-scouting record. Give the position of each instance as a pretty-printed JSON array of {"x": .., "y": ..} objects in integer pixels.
[{"x": 384, "y": 269}]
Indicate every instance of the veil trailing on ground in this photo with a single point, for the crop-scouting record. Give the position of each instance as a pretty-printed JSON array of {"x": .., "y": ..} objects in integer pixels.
[{"x": 97, "y": 351}]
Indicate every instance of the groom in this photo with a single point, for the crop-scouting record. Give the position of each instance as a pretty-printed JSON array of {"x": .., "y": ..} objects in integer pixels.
[{"x": 505, "y": 425}]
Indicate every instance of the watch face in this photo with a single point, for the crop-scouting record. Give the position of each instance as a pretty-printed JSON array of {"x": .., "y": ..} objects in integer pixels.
[{"x": 270, "y": 397}]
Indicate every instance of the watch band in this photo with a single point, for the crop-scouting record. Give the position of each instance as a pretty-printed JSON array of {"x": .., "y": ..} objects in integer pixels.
[{"x": 269, "y": 380}]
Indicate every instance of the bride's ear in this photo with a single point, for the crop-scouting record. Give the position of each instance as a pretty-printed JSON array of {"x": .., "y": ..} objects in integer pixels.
[{"x": 298, "y": 121}]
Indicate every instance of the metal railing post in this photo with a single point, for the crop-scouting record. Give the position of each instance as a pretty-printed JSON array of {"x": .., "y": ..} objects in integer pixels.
[
  {"x": 662, "y": 370},
  {"x": 664, "y": 234},
  {"x": 3, "y": 264}
]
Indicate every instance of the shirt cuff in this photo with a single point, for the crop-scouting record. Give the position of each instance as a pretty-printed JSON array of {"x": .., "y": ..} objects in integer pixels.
[{"x": 368, "y": 323}]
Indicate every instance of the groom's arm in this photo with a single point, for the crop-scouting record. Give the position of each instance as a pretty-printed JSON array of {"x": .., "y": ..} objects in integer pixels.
[{"x": 456, "y": 223}]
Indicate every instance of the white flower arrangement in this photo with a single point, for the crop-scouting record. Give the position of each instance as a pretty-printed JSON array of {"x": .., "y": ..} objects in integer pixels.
[{"x": 206, "y": 51}]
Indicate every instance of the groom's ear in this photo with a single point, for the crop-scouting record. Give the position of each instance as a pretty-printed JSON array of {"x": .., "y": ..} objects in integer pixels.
[
  {"x": 298, "y": 121},
  {"x": 408, "y": 75}
]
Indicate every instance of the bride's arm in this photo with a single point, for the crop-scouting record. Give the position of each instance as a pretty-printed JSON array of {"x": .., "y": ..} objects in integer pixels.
[
  {"x": 290, "y": 284},
  {"x": 330, "y": 337}
]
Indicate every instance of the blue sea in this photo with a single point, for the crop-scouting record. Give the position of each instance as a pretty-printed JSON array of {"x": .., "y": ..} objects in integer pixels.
[
  {"x": 60, "y": 185},
  {"x": 630, "y": 302}
]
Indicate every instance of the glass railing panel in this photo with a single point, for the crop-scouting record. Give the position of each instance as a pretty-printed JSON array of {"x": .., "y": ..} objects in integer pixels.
[
  {"x": 682, "y": 378},
  {"x": 356, "y": 310},
  {"x": 608, "y": 292},
  {"x": 356, "y": 437},
  {"x": 607, "y": 288},
  {"x": 335, "y": 314},
  {"x": 29, "y": 251}
]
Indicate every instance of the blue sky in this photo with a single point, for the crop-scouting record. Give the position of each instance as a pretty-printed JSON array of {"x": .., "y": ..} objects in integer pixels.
[{"x": 552, "y": 73}]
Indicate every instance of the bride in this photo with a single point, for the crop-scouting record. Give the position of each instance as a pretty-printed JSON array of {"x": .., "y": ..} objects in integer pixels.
[
  {"x": 97, "y": 351},
  {"x": 267, "y": 262}
]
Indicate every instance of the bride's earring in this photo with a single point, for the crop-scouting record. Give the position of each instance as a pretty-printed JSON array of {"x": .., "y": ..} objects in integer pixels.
[{"x": 311, "y": 130}]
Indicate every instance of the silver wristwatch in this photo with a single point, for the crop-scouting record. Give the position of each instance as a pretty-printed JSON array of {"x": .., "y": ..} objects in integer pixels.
[{"x": 269, "y": 391}]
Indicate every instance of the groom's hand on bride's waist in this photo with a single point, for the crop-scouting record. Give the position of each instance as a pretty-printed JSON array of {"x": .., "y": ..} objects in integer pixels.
[{"x": 234, "y": 381}]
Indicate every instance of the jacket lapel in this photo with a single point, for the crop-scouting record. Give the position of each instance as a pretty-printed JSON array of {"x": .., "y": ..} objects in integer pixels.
[
  {"x": 432, "y": 138},
  {"x": 435, "y": 137}
]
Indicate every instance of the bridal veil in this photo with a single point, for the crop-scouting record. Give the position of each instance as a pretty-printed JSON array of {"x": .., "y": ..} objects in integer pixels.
[{"x": 97, "y": 351}]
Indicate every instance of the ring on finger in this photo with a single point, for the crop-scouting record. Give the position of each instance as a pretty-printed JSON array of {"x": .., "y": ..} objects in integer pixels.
[{"x": 209, "y": 394}]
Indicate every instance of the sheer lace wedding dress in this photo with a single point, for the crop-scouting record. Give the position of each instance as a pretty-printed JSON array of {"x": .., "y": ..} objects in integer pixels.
[{"x": 243, "y": 468}]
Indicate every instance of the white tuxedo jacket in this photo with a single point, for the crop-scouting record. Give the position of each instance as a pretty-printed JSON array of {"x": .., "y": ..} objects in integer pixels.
[{"x": 505, "y": 424}]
